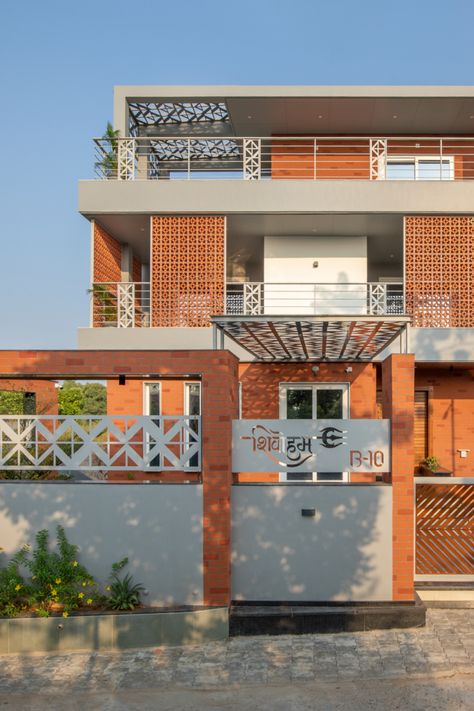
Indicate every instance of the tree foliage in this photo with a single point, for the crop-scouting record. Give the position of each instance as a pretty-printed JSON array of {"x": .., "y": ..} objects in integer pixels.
[
  {"x": 82, "y": 398},
  {"x": 11, "y": 403},
  {"x": 95, "y": 399}
]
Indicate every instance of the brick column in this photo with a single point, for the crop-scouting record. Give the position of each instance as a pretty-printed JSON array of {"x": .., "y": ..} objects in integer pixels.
[
  {"x": 398, "y": 403},
  {"x": 219, "y": 408}
]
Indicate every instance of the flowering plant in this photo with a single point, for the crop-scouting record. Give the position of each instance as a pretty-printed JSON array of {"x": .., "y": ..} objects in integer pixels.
[{"x": 56, "y": 583}]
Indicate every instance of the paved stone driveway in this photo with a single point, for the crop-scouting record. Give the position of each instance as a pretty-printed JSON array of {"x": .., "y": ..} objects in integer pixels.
[{"x": 446, "y": 645}]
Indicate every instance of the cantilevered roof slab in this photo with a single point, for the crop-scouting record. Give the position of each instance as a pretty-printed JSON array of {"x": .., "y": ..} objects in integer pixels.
[{"x": 334, "y": 338}]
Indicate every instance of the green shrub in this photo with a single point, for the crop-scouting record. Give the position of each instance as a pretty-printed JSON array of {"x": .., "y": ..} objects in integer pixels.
[
  {"x": 57, "y": 578},
  {"x": 124, "y": 592},
  {"x": 57, "y": 581},
  {"x": 14, "y": 592},
  {"x": 431, "y": 463}
]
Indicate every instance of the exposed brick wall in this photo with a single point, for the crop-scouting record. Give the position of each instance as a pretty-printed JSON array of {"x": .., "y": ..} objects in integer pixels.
[
  {"x": 451, "y": 400},
  {"x": 129, "y": 399},
  {"x": 136, "y": 269},
  {"x": 219, "y": 375},
  {"x": 44, "y": 390},
  {"x": 187, "y": 270},
  {"x": 260, "y": 385},
  {"x": 107, "y": 256},
  {"x": 398, "y": 403},
  {"x": 260, "y": 392},
  {"x": 439, "y": 271}
]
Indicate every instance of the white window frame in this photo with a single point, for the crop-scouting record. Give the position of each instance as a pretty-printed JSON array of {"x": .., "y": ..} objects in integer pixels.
[
  {"x": 186, "y": 391},
  {"x": 146, "y": 405},
  {"x": 146, "y": 400},
  {"x": 415, "y": 160},
  {"x": 314, "y": 387},
  {"x": 186, "y": 395}
]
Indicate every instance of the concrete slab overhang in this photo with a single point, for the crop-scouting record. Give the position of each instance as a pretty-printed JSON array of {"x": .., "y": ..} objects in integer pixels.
[
  {"x": 301, "y": 338},
  {"x": 226, "y": 197},
  {"x": 263, "y": 110}
]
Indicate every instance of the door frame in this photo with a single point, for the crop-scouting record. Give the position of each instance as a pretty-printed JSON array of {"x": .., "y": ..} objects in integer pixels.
[{"x": 283, "y": 388}]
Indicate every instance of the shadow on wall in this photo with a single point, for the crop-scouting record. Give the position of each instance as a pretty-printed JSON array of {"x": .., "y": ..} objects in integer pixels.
[
  {"x": 433, "y": 343},
  {"x": 343, "y": 552},
  {"x": 158, "y": 527}
]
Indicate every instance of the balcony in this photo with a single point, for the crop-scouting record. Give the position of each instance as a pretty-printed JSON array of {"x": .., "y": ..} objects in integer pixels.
[
  {"x": 285, "y": 158},
  {"x": 127, "y": 304},
  {"x": 120, "y": 305},
  {"x": 261, "y": 298},
  {"x": 272, "y": 321}
]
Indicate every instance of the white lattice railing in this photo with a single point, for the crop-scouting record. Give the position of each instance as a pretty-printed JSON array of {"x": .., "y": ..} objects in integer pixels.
[
  {"x": 120, "y": 304},
  {"x": 91, "y": 443},
  {"x": 258, "y": 298}
]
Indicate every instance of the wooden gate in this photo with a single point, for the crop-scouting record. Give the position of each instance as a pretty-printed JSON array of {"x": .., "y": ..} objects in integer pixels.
[{"x": 444, "y": 528}]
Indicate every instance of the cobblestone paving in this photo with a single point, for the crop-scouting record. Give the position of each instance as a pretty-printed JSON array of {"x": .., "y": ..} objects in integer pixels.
[{"x": 445, "y": 645}]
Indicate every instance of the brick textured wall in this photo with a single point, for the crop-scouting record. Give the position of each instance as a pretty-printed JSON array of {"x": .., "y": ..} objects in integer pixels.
[
  {"x": 219, "y": 375},
  {"x": 45, "y": 391},
  {"x": 107, "y": 256},
  {"x": 260, "y": 393},
  {"x": 398, "y": 404},
  {"x": 187, "y": 270},
  {"x": 136, "y": 269},
  {"x": 129, "y": 399},
  {"x": 451, "y": 400},
  {"x": 439, "y": 271}
]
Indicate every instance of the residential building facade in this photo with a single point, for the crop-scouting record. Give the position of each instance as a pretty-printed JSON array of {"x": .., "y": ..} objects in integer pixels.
[{"x": 289, "y": 254}]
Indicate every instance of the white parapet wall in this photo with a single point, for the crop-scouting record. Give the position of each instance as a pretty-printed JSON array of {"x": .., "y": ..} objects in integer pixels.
[
  {"x": 157, "y": 526},
  {"x": 154, "y": 339},
  {"x": 442, "y": 344},
  {"x": 341, "y": 550}
]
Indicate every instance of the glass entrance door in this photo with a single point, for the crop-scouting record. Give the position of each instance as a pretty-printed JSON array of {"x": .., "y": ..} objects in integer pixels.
[{"x": 310, "y": 401}]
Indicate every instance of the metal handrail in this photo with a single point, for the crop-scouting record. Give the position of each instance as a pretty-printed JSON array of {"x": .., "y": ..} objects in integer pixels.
[
  {"x": 369, "y": 298},
  {"x": 120, "y": 304},
  {"x": 286, "y": 157}
]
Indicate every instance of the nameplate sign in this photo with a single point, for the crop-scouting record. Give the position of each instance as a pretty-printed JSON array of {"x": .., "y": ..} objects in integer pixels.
[{"x": 311, "y": 446}]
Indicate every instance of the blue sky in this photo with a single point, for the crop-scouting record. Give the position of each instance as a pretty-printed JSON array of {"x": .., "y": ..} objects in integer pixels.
[{"x": 59, "y": 60}]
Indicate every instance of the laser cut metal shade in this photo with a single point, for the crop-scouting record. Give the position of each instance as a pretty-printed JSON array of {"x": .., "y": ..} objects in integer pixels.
[
  {"x": 279, "y": 338},
  {"x": 176, "y": 114}
]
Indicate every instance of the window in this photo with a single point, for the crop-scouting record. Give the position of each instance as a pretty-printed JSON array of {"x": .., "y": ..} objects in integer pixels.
[
  {"x": 308, "y": 401},
  {"x": 192, "y": 406},
  {"x": 153, "y": 408},
  {"x": 420, "y": 168}
]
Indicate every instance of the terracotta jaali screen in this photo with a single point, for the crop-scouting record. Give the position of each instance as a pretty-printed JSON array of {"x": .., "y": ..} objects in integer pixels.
[
  {"x": 439, "y": 271},
  {"x": 187, "y": 270}
]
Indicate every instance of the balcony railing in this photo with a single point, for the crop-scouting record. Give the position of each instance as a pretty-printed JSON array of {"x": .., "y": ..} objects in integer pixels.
[
  {"x": 285, "y": 158},
  {"x": 261, "y": 298},
  {"x": 120, "y": 305},
  {"x": 127, "y": 304}
]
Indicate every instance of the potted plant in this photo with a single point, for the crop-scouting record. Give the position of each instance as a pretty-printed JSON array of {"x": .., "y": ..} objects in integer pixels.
[
  {"x": 104, "y": 301},
  {"x": 107, "y": 165},
  {"x": 428, "y": 466}
]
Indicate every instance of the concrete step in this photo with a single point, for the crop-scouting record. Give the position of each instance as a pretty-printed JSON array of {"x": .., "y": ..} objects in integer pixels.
[
  {"x": 270, "y": 619},
  {"x": 449, "y": 595}
]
